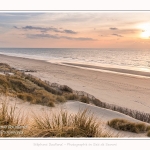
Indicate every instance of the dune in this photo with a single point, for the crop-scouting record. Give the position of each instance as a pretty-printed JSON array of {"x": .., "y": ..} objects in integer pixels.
[{"x": 73, "y": 107}]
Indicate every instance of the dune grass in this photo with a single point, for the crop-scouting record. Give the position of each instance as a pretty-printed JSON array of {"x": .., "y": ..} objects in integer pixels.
[
  {"x": 62, "y": 124},
  {"x": 34, "y": 91},
  {"x": 26, "y": 90},
  {"x": 85, "y": 99},
  {"x": 12, "y": 124},
  {"x": 5, "y": 67},
  {"x": 148, "y": 133},
  {"x": 125, "y": 125},
  {"x": 42, "y": 84}
]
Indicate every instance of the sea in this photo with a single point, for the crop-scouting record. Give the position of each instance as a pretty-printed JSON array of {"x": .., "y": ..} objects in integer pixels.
[{"x": 122, "y": 58}]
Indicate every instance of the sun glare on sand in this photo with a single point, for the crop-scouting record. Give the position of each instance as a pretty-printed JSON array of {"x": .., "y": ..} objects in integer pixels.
[{"x": 145, "y": 30}]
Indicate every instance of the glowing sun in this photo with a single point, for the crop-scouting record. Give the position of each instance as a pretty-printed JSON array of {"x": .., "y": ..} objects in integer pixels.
[{"x": 145, "y": 31}]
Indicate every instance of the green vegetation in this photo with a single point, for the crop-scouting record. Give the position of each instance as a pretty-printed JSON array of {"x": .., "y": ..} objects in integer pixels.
[{"x": 121, "y": 124}]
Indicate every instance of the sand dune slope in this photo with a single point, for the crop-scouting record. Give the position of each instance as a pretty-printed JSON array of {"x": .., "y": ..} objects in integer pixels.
[{"x": 102, "y": 115}]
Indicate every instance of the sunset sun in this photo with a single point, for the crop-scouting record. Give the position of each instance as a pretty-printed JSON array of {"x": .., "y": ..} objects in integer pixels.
[{"x": 145, "y": 31}]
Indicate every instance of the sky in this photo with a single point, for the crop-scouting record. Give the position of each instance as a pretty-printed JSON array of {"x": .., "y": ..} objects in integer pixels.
[{"x": 102, "y": 29}]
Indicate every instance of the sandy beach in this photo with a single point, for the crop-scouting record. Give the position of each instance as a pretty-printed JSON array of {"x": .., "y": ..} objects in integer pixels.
[{"x": 119, "y": 89}]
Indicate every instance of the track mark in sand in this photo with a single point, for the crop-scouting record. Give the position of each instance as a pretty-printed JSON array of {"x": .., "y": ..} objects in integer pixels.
[{"x": 142, "y": 103}]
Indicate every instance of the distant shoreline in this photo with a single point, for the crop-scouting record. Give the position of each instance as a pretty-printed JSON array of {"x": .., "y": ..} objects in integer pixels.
[
  {"x": 117, "y": 70},
  {"x": 93, "y": 67}
]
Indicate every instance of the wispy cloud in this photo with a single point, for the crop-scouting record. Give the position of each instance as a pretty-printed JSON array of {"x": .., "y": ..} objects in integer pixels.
[
  {"x": 46, "y": 29},
  {"x": 69, "y": 31},
  {"x": 113, "y": 28},
  {"x": 79, "y": 38},
  {"x": 16, "y": 27},
  {"x": 37, "y": 36},
  {"x": 128, "y": 31},
  {"x": 117, "y": 35}
]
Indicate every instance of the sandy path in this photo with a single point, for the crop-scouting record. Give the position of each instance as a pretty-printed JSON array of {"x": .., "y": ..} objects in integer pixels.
[{"x": 127, "y": 91}]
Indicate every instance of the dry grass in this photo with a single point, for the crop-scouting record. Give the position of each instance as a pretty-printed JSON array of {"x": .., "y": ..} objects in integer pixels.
[
  {"x": 62, "y": 124},
  {"x": 5, "y": 67},
  {"x": 85, "y": 99},
  {"x": 41, "y": 83},
  {"x": 66, "y": 88},
  {"x": 33, "y": 92},
  {"x": 61, "y": 99},
  {"x": 148, "y": 133},
  {"x": 33, "y": 89},
  {"x": 70, "y": 96},
  {"x": 121, "y": 124},
  {"x": 65, "y": 125},
  {"x": 12, "y": 124}
]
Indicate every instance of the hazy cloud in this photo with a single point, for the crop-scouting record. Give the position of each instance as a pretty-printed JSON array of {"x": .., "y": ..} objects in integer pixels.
[
  {"x": 79, "y": 38},
  {"x": 42, "y": 29},
  {"x": 128, "y": 31},
  {"x": 104, "y": 35},
  {"x": 16, "y": 27},
  {"x": 70, "y": 31},
  {"x": 117, "y": 35},
  {"x": 113, "y": 28},
  {"x": 36, "y": 36}
]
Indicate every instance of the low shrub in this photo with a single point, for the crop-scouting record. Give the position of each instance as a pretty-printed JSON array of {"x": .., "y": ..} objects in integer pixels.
[
  {"x": 26, "y": 96},
  {"x": 61, "y": 99},
  {"x": 71, "y": 96},
  {"x": 85, "y": 99},
  {"x": 51, "y": 104},
  {"x": 66, "y": 88},
  {"x": 125, "y": 125},
  {"x": 148, "y": 133}
]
